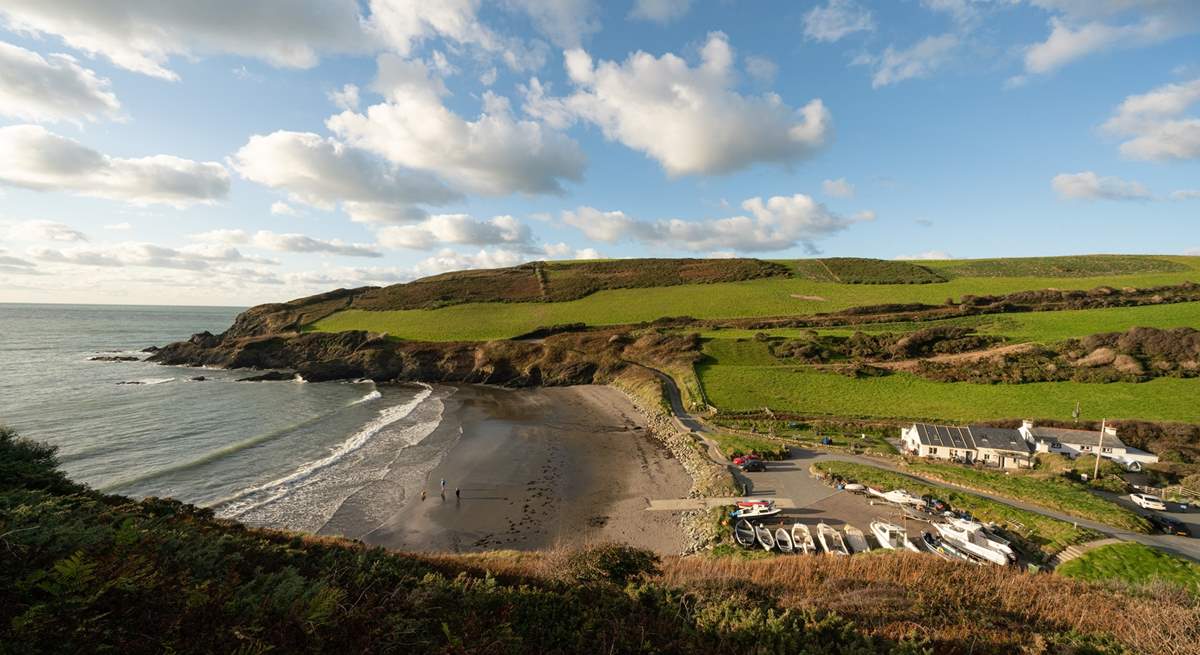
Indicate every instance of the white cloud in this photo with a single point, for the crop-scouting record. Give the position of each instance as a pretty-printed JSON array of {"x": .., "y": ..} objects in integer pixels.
[
  {"x": 281, "y": 208},
  {"x": 120, "y": 227},
  {"x": 1089, "y": 186},
  {"x": 761, "y": 68},
  {"x": 1155, "y": 126},
  {"x": 1080, "y": 28},
  {"x": 449, "y": 260},
  {"x": 660, "y": 11},
  {"x": 933, "y": 255},
  {"x": 838, "y": 188},
  {"x": 488, "y": 77},
  {"x": 322, "y": 172},
  {"x": 456, "y": 229},
  {"x": 494, "y": 154},
  {"x": 42, "y": 231},
  {"x": 779, "y": 223},
  {"x": 690, "y": 119},
  {"x": 142, "y": 35},
  {"x": 51, "y": 89},
  {"x": 404, "y": 24},
  {"x": 291, "y": 242},
  {"x": 141, "y": 254},
  {"x": 836, "y": 19},
  {"x": 1186, "y": 194},
  {"x": 33, "y": 158},
  {"x": 919, "y": 60},
  {"x": 565, "y": 22},
  {"x": 345, "y": 97}
]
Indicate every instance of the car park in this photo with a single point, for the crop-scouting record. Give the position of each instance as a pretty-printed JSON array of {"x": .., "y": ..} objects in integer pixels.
[{"x": 753, "y": 466}]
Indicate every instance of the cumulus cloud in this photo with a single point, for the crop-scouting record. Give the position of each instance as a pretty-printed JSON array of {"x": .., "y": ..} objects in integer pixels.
[
  {"x": 450, "y": 260},
  {"x": 140, "y": 254},
  {"x": 837, "y": 19},
  {"x": 404, "y": 24},
  {"x": 779, "y": 223},
  {"x": 1155, "y": 126},
  {"x": 690, "y": 119},
  {"x": 1089, "y": 186},
  {"x": 565, "y": 22},
  {"x": 33, "y": 158},
  {"x": 917, "y": 61},
  {"x": 142, "y": 36},
  {"x": 51, "y": 89},
  {"x": 291, "y": 242},
  {"x": 41, "y": 231},
  {"x": 496, "y": 154},
  {"x": 456, "y": 229},
  {"x": 838, "y": 188},
  {"x": 281, "y": 208},
  {"x": 932, "y": 255},
  {"x": 1079, "y": 28},
  {"x": 345, "y": 97},
  {"x": 322, "y": 172},
  {"x": 16, "y": 265},
  {"x": 660, "y": 11},
  {"x": 761, "y": 68}
]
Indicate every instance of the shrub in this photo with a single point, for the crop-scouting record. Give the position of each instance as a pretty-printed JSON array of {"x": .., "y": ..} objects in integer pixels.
[{"x": 610, "y": 562}]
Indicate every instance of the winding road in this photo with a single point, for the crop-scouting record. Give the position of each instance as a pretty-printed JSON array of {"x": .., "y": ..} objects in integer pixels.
[{"x": 791, "y": 479}]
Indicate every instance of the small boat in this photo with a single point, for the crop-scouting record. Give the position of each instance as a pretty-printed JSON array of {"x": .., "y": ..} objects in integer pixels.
[
  {"x": 854, "y": 487},
  {"x": 765, "y": 539},
  {"x": 802, "y": 539},
  {"x": 971, "y": 542},
  {"x": 756, "y": 512},
  {"x": 783, "y": 540},
  {"x": 855, "y": 539},
  {"x": 831, "y": 540},
  {"x": 752, "y": 502},
  {"x": 984, "y": 534},
  {"x": 743, "y": 533},
  {"x": 891, "y": 536},
  {"x": 902, "y": 497},
  {"x": 933, "y": 544}
]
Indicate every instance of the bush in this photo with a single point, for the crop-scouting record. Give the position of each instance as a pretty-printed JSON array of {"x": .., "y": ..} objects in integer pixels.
[
  {"x": 29, "y": 464},
  {"x": 613, "y": 563}
]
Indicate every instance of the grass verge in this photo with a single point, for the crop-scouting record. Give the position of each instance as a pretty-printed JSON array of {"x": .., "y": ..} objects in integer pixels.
[{"x": 1133, "y": 564}]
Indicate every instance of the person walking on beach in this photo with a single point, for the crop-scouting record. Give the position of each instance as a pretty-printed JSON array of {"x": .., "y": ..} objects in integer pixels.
[
  {"x": 457, "y": 492},
  {"x": 443, "y": 485},
  {"x": 422, "y": 495}
]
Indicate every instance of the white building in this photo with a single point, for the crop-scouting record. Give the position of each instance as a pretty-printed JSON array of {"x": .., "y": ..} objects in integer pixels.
[
  {"x": 1074, "y": 443},
  {"x": 1001, "y": 447}
]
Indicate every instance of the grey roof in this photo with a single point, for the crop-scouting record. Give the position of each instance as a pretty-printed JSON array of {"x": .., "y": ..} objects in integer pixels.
[
  {"x": 971, "y": 438},
  {"x": 947, "y": 436},
  {"x": 999, "y": 439},
  {"x": 1081, "y": 437}
]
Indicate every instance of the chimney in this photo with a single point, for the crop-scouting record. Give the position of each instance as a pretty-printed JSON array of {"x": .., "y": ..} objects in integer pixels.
[{"x": 1110, "y": 431}]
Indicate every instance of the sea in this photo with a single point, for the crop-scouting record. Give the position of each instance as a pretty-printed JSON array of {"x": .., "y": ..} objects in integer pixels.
[{"x": 278, "y": 454}]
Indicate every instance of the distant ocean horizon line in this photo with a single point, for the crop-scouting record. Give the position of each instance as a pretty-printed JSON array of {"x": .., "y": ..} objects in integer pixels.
[{"x": 117, "y": 304}]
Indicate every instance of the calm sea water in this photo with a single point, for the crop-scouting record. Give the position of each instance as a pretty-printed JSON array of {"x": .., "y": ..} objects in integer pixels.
[{"x": 285, "y": 454}]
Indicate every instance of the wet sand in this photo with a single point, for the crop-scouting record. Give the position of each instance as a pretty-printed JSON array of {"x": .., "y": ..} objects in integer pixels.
[{"x": 537, "y": 468}]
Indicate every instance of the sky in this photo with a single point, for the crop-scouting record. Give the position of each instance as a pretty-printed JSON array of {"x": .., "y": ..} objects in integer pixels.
[{"x": 235, "y": 152}]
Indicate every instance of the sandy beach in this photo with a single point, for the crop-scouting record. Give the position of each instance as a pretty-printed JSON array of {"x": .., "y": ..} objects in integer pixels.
[{"x": 535, "y": 468}]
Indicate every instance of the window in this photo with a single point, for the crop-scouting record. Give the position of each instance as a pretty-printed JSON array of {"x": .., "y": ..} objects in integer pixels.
[
  {"x": 1106, "y": 449},
  {"x": 987, "y": 456},
  {"x": 953, "y": 453},
  {"x": 932, "y": 450},
  {"x": 1085, "y": 447}
]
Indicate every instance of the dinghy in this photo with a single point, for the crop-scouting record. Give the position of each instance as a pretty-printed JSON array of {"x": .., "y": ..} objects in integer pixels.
[
  {"x": 891, "y": 536},
  {"x": 946, "y": 549},
  {"x": 783, "y": 540},
  {"x": 802, "y": 539},
  {"x": 831, "y": 540},
  {"x": 855, "y": 539},
  {"x": 765, "y": 539},
  {"x": 756, "y": 512},
  {"x": 743, "y": 533},
  {"x": 971, "y": 542},
  {"x": 854, "y": 487},
  {"x": 902, "y": 497},
  {"x": 932, "y": 544},
  {"x": 752, "y": 502}
]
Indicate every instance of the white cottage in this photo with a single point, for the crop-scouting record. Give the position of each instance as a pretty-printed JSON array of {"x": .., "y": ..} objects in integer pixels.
[{"x": 1073, "y": 443}]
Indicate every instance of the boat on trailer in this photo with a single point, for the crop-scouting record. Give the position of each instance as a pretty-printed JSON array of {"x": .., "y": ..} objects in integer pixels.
[
  {"x": 765, "y": 538},
  {"x": 743, "y": 534},
  {"x": 831, "y": 540},
  {"x": 855, "y": 539},
  {"x": 891, "y": 536},
  {"x": 783, "y": 540},
  {"x": 802, "y": 539}
]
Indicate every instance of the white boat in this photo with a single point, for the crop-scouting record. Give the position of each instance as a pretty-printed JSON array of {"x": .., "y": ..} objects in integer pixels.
[
  {"x": 756, "y": 512},
  {"x": 855, "y": 539},
  {"x": 971, "y": 542},
  {"x": 783, "y": 540},
  {"x": 753, "y": 502},
  {"x": 984, "y": 535},
  {"x": 891, "y": 536},
  {"x": 854, "y": 487},
  {"x": 902, "y": 497},
  {"x": 802, "y": 539},
  {"x": 743, "y": 534},
  {"x": 765, "y": 538},
  {"x": 831, "y": 540}
]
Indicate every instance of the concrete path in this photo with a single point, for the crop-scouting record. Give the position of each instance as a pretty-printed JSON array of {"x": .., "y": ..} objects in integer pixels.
[
  {"x": 791, "y": 479},
  {"x": 1072, "y": 552},
  {"x": 684, "y": 504}
]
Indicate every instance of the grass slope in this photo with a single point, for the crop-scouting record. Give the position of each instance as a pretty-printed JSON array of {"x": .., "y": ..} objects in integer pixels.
[
  {"x": 1133, "y": 564},
  {"x": 901, "y": 395},
  {"x": 774, "y": 296}
]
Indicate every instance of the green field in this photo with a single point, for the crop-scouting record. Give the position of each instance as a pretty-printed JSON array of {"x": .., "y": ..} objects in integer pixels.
[
  {"x": 764, "y": 297},
  {"x": 1053, "y": 491},
  {"x": 901, "y": 395},
  {"x": 1133, "y": 564},
  {"x": 1048, "y": 534}
]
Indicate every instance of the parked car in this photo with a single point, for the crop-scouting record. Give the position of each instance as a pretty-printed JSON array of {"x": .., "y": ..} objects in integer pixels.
[
  {"x": 1146, "y": 501},
  {"x": 935, "y": 504},
  {"x": 753, "y": 466},
  {"x": 1168, "y": 525}
]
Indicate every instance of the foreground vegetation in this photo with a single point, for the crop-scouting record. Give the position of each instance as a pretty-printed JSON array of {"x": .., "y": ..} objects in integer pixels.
[
  {"x": 1043, "y": 536},
  {"x": 1052, "y": 491},
  {"x": 1135, "y": 565}
]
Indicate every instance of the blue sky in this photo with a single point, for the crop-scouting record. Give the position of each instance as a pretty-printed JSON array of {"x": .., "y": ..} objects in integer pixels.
[{"x": 236, "y": 153}]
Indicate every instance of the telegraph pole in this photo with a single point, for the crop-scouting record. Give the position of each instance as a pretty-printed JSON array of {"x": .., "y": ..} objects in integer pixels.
[{"x": 1100, "y": 447}]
